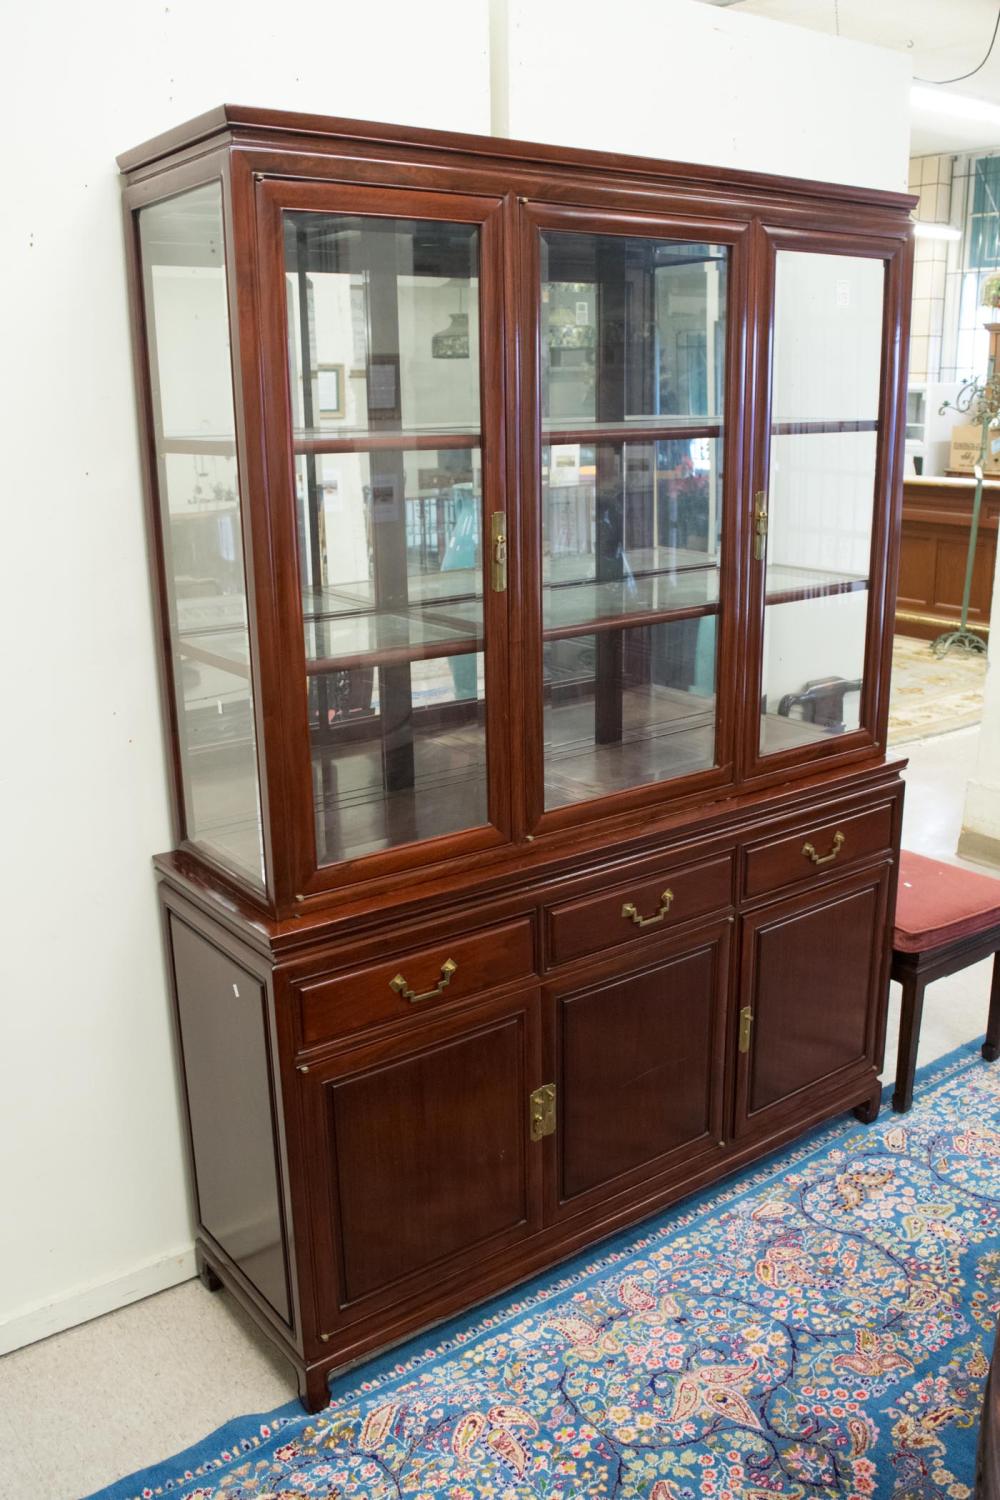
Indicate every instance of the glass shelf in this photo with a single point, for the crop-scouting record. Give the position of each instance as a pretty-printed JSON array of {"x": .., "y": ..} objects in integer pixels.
[
  {"x": 575, "y": 606},
  {"x": 393, "y": 637},
  {"x": 198, "y": 442},
  {"x": 636, "y": 429},
  {"x": 787, "y": 584},
  {"x": 367, "y": 439}
]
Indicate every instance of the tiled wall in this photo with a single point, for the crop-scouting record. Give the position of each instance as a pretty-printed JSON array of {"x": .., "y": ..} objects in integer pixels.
[{"x": 931, "y": 177}]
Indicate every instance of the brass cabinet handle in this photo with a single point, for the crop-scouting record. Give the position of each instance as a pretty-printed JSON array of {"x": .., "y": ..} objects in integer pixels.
[
  {"x": 839, "y": 840},
  {"x": 629, "y": 910},
  {"x": 543, "y": 1112},
  {"x": 746, "y": 1023},
  {"x": 760, "y": 525},
  {"x": 401, "y": 987},
  {"x": 498, "y": 536}
]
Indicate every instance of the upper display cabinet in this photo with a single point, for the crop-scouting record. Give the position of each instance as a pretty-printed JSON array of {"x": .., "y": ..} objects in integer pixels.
[{"x": 501, "y": 496}]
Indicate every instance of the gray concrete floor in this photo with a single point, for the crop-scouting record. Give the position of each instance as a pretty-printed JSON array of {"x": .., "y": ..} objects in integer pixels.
[{"x": 84, "y": 1407}]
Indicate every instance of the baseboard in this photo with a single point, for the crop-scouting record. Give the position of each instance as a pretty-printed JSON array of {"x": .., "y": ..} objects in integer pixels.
[
  {"x": 979, "y": 847},
  {"x": 95, "y": 1299}
]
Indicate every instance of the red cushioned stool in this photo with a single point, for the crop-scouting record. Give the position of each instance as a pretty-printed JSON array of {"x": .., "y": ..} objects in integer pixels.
[{"x": 946, "y": 919}]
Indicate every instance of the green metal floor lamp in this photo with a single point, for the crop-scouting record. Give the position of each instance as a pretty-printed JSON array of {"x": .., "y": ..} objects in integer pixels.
[{"x": 982, "y": 403}]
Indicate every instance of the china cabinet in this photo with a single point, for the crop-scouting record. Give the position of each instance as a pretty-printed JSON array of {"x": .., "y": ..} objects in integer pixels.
[{"x": 523, "y": 527}]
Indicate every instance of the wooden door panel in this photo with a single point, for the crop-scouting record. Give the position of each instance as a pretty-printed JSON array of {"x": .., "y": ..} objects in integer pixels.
[
  {"x": 424, "y": 1162},
  {"x": 917, "y": 562},
  {"x": 641, "y": 1069},
  {"x": 812, "y": 970}
]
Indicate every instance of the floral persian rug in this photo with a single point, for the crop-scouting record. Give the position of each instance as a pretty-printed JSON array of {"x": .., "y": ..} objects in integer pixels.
[
  {"x": 818, "y": 1327},
  {"x": 932, "y": 695}
]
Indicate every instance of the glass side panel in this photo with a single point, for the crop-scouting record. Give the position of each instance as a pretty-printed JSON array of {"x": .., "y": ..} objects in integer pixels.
[
  {"x": 826, "y": 375},
  {"x": 633, "y": 340},
  {"x": 383, "y": 318},
  {"x": 632, "y": 331},
  {"x": 187, "y": 317}
]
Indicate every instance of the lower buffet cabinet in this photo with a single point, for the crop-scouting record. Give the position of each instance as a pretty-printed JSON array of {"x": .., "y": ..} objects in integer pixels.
[{"x": 388, "y": 1129}]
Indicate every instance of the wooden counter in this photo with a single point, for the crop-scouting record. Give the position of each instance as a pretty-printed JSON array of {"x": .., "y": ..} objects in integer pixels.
[{"x": 937, "y": 514}]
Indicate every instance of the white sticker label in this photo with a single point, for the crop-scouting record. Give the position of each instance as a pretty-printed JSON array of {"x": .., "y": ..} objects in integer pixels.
[
  {"x": 236, "y": 991},
  {"x": 843, "y": 294}
]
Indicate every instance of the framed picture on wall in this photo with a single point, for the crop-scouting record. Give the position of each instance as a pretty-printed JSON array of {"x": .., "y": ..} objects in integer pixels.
[
  {"x": 330, "y": 391},
  {"x": 383, "y": 387}
]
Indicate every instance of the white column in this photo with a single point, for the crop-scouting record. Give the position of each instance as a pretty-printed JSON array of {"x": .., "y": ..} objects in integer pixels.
[{"x": 980, "y": 836}]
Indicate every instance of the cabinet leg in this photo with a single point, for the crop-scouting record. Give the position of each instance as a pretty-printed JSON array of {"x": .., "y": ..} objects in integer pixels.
[
  {"x": 909, "y": 1038},
  {"x": 314, "y": 1390},
  {"x": 868, "y": 1112},
  {"x": 206, "y": 1275},
  {"x": 991, "y": 1046}
]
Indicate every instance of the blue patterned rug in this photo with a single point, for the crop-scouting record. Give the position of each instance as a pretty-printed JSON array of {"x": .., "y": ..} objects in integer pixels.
[{"x": 818, "y": 1327}]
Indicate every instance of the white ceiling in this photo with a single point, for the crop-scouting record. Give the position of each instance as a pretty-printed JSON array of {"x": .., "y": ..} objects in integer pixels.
[{"x": 942, "y": 40}]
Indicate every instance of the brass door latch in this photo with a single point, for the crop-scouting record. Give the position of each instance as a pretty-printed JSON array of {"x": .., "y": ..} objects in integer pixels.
[
  {"x": 760, "y": 525},
  {"x": 543, "y": 1111},
  {"x": 746, "y": 1024},
  {"x": 498, "y": 538}
]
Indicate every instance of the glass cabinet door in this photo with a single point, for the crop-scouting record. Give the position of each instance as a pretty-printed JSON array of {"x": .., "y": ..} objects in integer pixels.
[
  {"x": 384, "y": 359},
  {"x": 813, "y": 524},
  {"x": 632, "y": 361}
]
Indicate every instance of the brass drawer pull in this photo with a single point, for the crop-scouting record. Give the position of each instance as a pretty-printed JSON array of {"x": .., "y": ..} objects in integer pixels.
[
  {"x": 839, "y": 840},
  {"x": 629, "y": 910},
  {"x": 401, "y": 987}
]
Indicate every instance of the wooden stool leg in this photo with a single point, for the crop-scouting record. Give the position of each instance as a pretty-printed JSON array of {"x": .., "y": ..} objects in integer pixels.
[
  {"x": 909, "y": 1038},
  {"x": 991, "y": 1046}
]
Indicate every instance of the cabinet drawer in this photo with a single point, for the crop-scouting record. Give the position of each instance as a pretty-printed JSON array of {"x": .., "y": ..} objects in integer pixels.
[
  {"x": 653, "y": 904},
  {"x": 816, "y": 848},
  {"x": 415, "y": 980}
]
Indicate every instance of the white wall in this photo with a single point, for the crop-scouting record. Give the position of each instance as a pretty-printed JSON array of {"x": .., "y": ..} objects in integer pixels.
[
  {"x": 702, "y": 83},
  {"x": 95, "y": 1208},
  {"x": 91, "y": 1164}
]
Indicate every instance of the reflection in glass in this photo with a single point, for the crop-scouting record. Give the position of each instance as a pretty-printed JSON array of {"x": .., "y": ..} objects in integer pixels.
[
  {"x": 389, "y": 312},
  {"x": 824, "y": 439},
  {"x": 633, "y": 336},
  {"x": 398, "y": 753},
  {"x": 184, "y": 282},
  {"x": 827, "y": 359},
  {"x": 632, "y": 330},
  {"x": 383, "y": 318},
  {"x": 631, "y": 532},
  {"x": 624, "y": 708},
  {"x": 390, "y": 551}
]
